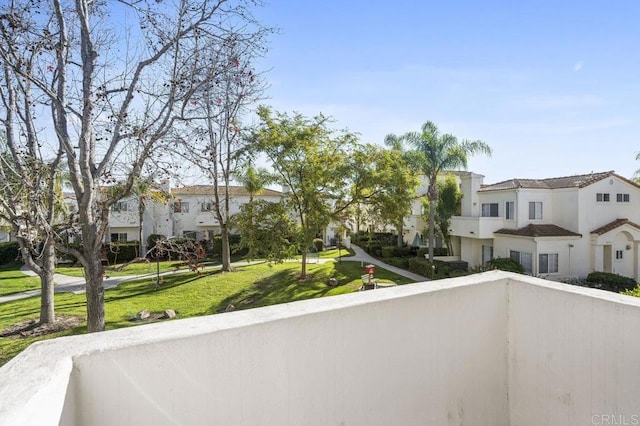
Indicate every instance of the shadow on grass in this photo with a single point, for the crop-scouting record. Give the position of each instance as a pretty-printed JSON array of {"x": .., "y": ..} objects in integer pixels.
[
  {"x": 135, "y": 288},
  {"x": 281, "y": 287}
]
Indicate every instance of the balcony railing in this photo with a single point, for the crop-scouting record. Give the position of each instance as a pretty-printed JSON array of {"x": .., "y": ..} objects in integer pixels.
[
  {"x": 475, "y": 227},
  {"x": 487, "y": 349}
]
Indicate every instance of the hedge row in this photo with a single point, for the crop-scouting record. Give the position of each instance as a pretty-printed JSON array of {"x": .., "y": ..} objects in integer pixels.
[
  {"x": 610, "y": 282},
  {"x": 9, "y": 252}
]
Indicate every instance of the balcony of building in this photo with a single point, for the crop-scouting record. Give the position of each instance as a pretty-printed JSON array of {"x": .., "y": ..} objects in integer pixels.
[
  {"x": 475, "y": 227},
  {"x": 488, "y": 349}
]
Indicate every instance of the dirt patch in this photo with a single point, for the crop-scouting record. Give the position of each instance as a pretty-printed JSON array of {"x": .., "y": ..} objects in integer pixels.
[{"x": 33, "y": 328}]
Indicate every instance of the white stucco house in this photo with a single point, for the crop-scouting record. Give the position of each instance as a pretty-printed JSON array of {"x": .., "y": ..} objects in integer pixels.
[
  {"x": 557, "y": 227},
  {"x": 187, "y": 213}
]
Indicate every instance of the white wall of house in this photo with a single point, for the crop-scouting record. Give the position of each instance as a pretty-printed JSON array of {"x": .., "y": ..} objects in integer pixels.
[{"x": 4, "y": 236}]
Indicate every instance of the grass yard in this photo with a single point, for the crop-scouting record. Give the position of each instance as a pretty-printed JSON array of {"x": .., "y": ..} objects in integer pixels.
[
  {"x": 132, "y": 269},
  {"x": 190, "y": 295},
  {"x": 14, "y": 281}
]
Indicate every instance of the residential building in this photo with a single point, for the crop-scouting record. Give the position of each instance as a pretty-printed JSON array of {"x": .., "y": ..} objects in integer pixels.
[
  {"x": 557, "y": 227},
  {"x": 188, "y": 212}
]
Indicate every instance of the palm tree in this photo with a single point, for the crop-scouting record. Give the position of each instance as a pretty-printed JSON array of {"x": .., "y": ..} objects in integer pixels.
[{"x": 440, "y": 153}]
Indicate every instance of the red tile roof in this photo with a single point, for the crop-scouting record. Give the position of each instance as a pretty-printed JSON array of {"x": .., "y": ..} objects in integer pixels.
[
  {"x": 539, "y": 231},
  {"x": 613, "y": 225},
  {"x": 577, "y": 181}
]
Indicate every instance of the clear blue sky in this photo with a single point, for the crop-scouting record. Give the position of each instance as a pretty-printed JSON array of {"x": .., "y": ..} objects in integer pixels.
[{"x": 553, "y": 87}]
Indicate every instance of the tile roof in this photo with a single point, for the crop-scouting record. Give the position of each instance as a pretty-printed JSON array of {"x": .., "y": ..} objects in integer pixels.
[
  {"x": 208, "y": 190},
  {"x": 577, "y": 181},
  {"x": 532, "y": 230},
  {"x": 613, "y": 225}
]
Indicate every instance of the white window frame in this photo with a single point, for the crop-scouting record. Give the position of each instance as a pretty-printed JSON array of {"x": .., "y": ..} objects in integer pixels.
[
  {"x": 510, "y": 210},
  {"x": 622, "y": 198},
  {"x": 120, "y": 206},
  {"x": 552, "y": 263},
  {"x": 603, "y": 197},
  {"x": 619, "y": 254},
  {"x": 519, "y": 257},
  {"x": 491, "y": 208},
  {"x": 537, "y": 212},
  {"x": 121, "y": 237},
  {"x": 181, "y": 207}
]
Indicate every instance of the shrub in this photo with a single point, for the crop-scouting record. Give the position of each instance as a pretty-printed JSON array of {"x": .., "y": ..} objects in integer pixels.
[
  {"x": 610, "y": 282},
  {"x": 318, "y": 244},
  {"x": 420, "y": 266},
  {"x": 399, "y": 262},
  {"x": 387, "y": 251},
  {"x": 121, "y": 252},
  {"x": 374, "y": 248},
  {"x": 437, "y": 251},
  {"x": 9, "y": 252},
  {"x": 505, "y": 264}
]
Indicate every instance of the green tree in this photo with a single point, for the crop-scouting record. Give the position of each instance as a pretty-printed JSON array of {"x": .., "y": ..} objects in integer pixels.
[
  {"x": 439, "y": 153},
  {"x": 397, "y": 181},
  {"x": 449, "y": 197},
  {"x": 254, "y": 216},
  {"x": 314, "y": 164}
]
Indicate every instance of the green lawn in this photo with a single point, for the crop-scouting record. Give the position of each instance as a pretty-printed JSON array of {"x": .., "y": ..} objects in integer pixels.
[
  {"x": 191, "y": 295},
  {"x": 14, "y": 281},
  {"x": 132, "y": 269}
]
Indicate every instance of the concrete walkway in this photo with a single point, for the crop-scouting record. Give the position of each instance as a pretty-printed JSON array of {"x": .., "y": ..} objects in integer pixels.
[
  {"x": 363, "y": 257},
  {"x": 77, "y": 285}
]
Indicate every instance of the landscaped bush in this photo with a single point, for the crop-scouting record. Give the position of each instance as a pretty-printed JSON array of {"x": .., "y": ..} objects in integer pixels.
[
  {"x": 394, "y": 251},
  {"x": 374, "y": 249},
  {"x": 121, "y": 252},
  {"x": 505, "y": 264},
  {"x": 318, "y": 244},
  {"x": 437, "y": 251},
  {"x": 9, "y": 252},
  {"x": 420, "y": 266},
  {"x": 610, "y": 282},
  {"x": 399, "y": 262},
  {"x": 234, "y": 244}
]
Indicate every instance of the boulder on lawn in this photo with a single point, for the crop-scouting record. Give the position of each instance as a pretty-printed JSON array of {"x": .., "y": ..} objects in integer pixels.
[
  {"x": 169, "y": 314},
  {"x": 144, "y": 314}
]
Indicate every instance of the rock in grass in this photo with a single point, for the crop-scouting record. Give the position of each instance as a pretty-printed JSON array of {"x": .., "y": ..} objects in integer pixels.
[
  {"x": 169, "y": 314},
  {"x": 143, "y": 314}
]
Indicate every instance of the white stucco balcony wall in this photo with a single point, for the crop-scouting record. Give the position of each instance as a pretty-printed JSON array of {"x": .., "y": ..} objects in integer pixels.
[
  {"x": 475, "y": 227},
  {"x": 489, "y": 349}
]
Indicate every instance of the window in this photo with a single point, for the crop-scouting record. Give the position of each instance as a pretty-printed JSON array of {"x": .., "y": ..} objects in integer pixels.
[
  {"x": 510, "y": 210},
  {"x": 120, "y": 206},
  {"x": 622, "y": 198},
  {"x": 206, "y": 207},
  {"x": 548, "y": 263},
  {"x": 525, "y": 259},
  {"x": 535, "y": 210},
  {"x": 602, "y": 197},
  {"x": 180, "y": 207},
  {"x": 487, "y": 254},
  {"x": 119, "y": 237},
  {"x": 490, "y": 210},
  {"x": 619, "y": 254}
]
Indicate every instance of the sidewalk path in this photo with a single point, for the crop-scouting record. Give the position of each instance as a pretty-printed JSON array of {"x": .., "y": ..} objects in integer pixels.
[
  {"x": 366, "y": 259},
  {"x": 76, "y": 285}
]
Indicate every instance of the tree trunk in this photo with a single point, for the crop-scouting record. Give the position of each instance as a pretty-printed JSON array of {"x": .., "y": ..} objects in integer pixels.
[
  {"x": 95, "y": 291},
  {"x": 303, "y": 269},
  {"x": 399, "y": 229},
  {"x": 432, "y": 226},
  {"x": 47, "y": 304},
  {"x": 226, "y": 250},
  {"x": 141, "y": 243}
]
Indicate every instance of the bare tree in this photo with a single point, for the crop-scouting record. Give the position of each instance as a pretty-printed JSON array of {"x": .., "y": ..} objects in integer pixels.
[
  {"x": 231, "y": 85},
  {"x": 116, "y": 77},
  {"x": 30, "y": 184}
]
